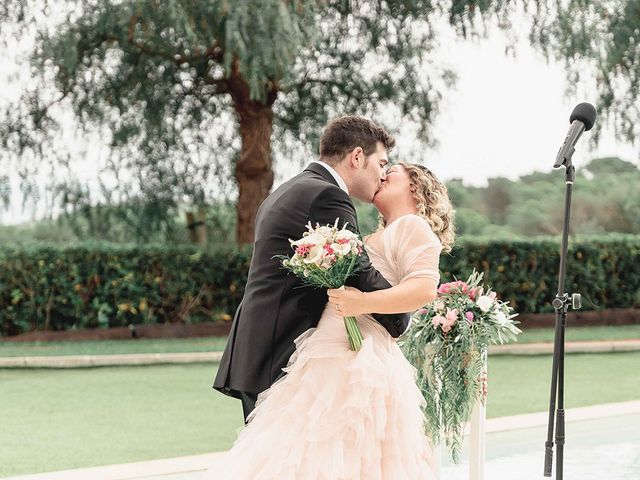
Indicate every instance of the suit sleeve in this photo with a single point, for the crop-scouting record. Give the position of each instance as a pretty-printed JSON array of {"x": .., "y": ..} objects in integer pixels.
[{"x": 331, "y": 204}]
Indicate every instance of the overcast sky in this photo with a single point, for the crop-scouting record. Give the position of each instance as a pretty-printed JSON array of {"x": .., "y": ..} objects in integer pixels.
[{"x": 507, "y": 116}]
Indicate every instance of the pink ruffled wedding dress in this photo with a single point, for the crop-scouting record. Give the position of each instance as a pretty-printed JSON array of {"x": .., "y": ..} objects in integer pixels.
[{"x": 339, "y": 414}]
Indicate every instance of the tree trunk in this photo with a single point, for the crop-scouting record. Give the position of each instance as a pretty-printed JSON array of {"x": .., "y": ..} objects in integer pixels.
[
  {"x": 254, "y": 171},
  {"x": 197, "y": 227}
]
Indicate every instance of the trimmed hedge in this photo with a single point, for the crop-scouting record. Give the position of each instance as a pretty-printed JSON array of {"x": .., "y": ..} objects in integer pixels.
[
  {"x": 99, "y": 285},
  {"x": 604, "y": 269}
]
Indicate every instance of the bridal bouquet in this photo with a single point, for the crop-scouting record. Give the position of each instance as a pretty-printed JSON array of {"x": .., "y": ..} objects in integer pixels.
[
  {"x": 325, "y": 257},
  {"x": 447, "y": 343}
]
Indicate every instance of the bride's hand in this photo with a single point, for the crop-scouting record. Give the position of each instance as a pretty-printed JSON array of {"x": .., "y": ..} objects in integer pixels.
[{"x": 348, "y": 301}]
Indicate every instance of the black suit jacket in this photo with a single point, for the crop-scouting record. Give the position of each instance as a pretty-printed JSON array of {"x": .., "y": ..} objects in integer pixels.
[{"x": 275, "y": 310}]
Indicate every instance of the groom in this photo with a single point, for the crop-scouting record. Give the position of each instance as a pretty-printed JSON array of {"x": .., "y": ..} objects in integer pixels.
[{"x": 275, "y": 310}]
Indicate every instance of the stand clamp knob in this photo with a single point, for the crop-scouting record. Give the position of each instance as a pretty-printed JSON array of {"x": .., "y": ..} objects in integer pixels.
[{"x": 559, "y": 302}]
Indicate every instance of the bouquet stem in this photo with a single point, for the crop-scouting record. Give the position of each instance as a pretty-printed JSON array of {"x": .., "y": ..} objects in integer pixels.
[{"x": 353, "y": 332}]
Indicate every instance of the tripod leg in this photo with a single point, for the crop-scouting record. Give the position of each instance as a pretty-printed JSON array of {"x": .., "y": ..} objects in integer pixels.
[{"x": 557, "y": 346}]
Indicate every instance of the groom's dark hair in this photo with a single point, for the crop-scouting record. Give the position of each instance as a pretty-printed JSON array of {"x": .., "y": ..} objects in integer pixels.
[{"x": 345, "y": 133}]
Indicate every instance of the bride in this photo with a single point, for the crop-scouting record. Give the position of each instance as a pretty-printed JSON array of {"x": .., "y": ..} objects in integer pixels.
[{"x": 345, "y": 415}]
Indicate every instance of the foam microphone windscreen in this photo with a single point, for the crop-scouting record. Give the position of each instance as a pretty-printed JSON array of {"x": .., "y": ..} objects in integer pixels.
[{"x": 586, "y": 113}]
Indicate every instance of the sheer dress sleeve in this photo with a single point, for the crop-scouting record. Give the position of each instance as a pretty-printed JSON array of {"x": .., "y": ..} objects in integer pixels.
[{"x": 416, "y": 249}]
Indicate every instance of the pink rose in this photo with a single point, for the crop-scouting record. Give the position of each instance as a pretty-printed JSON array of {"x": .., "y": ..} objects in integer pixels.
[
  {"x": 469, "y": 316},
  {"x": 422, "y": 311},
  {"x": 438, "y": 320},
  {"x": 449, "y": 320},
  {"x": 454, "y": 287}
]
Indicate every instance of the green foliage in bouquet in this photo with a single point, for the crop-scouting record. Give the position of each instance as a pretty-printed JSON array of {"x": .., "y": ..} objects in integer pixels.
[{"x": 447, "y": 343}]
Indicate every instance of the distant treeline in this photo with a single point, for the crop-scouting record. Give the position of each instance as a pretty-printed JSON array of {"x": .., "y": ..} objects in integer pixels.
[{"x": 606, "y": 199}]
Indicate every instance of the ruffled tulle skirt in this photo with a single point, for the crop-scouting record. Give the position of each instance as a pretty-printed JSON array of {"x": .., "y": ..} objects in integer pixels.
[{"x": 336, "y": 414}]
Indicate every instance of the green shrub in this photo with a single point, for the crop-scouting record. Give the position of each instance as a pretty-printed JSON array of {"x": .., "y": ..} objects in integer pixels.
[
  {"x": 100, "y": 285},
  {"x": 604, "y": 269}
]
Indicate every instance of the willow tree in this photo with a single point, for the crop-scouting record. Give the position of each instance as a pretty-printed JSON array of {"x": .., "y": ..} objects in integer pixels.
[
  {"x": 161, "y": 78},
  {"x": 599, "y": 40},
  {"x": 155, "y": 74}
]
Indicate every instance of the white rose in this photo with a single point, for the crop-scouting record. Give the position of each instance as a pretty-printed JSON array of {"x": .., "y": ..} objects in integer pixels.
[
  {"x": 501, "y": 318},
  {"x": 438, "y": 305},
  {"x": 484, "y": 303}
]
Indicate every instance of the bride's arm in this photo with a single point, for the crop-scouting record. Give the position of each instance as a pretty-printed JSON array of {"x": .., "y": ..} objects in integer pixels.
[
  {"x": 414, "y": 252},
  {"x": 407, "y": 296}
]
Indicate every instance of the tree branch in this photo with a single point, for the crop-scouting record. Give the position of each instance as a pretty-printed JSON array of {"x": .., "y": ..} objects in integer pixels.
[
  {"x": 221, "y": 84},
  {"x": 214, "y": 52}
]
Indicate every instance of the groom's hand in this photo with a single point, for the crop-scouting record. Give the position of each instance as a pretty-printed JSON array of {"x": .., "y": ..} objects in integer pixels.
[{"x": 348, "y": 301}]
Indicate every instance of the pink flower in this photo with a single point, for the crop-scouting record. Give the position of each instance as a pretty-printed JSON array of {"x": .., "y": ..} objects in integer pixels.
[
  {"x": 303, "y": 249},
  {"x": 453, "y": 287},
  {"x": 438, "y": 320},
  {"x": 492, "y": 295},
  {"x": 472, "y": 293},
  {"x": 422, "y": 311},
  {"x": 469, "y": 316},
  {"x": 449, "y": 320},
  {"x": 328, "y": 250}
]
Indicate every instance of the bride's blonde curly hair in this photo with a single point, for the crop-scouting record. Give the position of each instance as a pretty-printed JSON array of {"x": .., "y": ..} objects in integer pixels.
[{"x": 433, "y": 203}]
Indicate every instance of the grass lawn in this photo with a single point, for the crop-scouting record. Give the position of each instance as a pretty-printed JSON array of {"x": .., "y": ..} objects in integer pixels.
[
  {"x": 61, "y": 419},
  {"x": 213, "y": 344},
  {"x": 109, "y": 347},
  {"x": 522, "y": 384},
  {"x": 576, "y": 333}
]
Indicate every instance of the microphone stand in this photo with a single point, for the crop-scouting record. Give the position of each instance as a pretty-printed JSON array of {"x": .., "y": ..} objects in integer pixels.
[{"x": 561, "y": 305}]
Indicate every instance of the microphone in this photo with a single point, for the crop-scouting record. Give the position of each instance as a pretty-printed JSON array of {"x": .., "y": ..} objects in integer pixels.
[{"x": 582, "y": 119}]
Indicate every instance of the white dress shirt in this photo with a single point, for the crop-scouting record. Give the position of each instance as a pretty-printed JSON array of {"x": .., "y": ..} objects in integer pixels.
[{"x": 335, "y": 175}]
